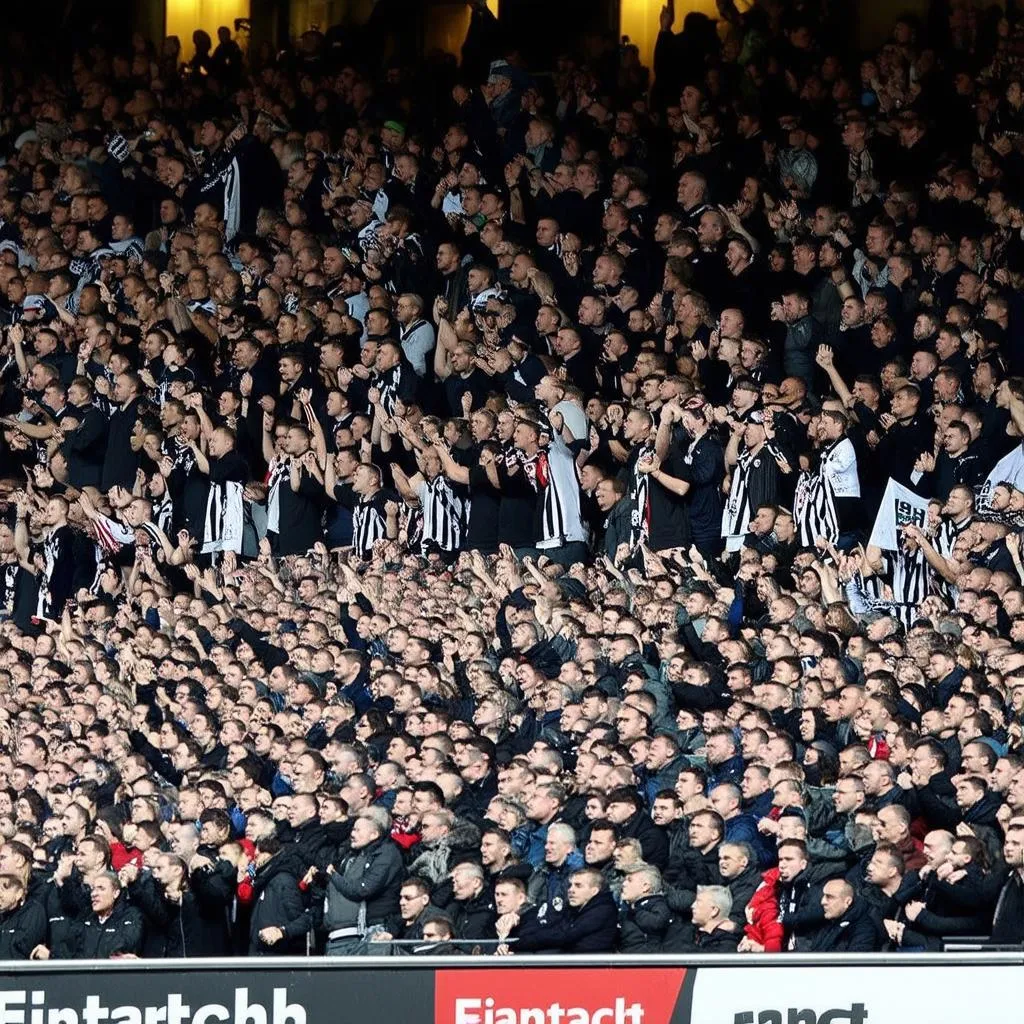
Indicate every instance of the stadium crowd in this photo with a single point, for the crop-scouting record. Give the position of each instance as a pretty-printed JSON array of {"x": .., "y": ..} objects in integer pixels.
[{"x": 451, "y": 509}]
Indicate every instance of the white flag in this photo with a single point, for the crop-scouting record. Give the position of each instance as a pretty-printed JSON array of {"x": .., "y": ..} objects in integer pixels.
[
  {"x": 1009, "y": 469},
  {"x": 900, "y": 506}
]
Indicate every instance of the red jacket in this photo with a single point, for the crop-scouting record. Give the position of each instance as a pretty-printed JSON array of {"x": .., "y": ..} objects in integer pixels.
[
  {"x": 403, "y": 833},
  {"x": 763, "y": 924},
  {"x": 121, "y": 855},
  {"x": 912, "y": 852}
]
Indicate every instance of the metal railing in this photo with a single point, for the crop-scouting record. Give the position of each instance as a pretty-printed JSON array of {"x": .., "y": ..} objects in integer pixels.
[{"x": 1004, "y": 958}]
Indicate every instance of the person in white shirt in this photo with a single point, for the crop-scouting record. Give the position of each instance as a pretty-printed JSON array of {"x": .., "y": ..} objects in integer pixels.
[{"x": 417, "y": 334}]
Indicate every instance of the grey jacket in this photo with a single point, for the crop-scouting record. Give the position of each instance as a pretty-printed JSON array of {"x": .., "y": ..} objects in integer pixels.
[{"x": 363, "y": 890}]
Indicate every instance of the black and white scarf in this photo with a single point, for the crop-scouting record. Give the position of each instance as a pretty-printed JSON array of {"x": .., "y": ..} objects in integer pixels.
[
  {"x": 278, "y": 471},
  {"x": 224, "y": 518}
]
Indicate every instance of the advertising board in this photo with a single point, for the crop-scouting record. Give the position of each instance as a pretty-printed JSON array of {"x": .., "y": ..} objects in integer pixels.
[{"x": 511, "y": 990}]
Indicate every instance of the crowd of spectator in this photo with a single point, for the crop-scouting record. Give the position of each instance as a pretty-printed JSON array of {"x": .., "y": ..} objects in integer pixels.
[{"x": 449, "y": 509}]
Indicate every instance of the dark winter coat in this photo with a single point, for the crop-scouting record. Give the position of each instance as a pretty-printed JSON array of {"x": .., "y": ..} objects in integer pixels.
[
  {"x": 648, "y": 926},
  {"x": 278, "y": 903},
  {"x": 21, "y": 930},
  {"x": 365, "y": 886},
  {"x": 121, "y": 932},
  {"x": 591, "y": 928}
]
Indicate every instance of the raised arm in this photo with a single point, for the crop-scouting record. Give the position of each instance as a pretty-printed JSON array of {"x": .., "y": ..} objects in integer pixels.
[
  {"x": 452, "y": 470},
  {"x": 671, "y": 483},
  {"x": 826, "y": 360},
  {"x": 445, "y": 341},
  {"x": 407, "y": 486}
]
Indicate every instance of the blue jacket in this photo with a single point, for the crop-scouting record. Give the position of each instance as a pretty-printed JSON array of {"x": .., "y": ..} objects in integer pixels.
[{"x": 728, "y": 771}]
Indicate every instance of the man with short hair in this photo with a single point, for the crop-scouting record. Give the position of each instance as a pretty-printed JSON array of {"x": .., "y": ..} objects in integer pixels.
[
  {"x": 22, "y": 921},
  {"x": 474, "y": 909},
  {"x": 1008, "y": 919},
  {"x": 849, "y": 926},
  {"x": 113, "y": 928},
  {"x": 362, "y": 891},
  {"x": 646, "y": 923},
  {"x": 589, "y": 924},
  {"x": 625, "y": 811},
  {"x": 713, "y": 931}
]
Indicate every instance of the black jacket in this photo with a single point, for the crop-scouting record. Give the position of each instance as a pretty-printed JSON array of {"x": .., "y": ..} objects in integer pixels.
[
  {"x": 743, "y": 887},
  {"x": 800, "y": 909},
  {"x": 648, "y": 926},
  {"x": 955, "y": 908},
  {"x": 67, "y": 906},
  {"x": 120, "y": 463},
  {"x": 85, "y": 447},
  {"x": 857, "y": 931},
  {"x": 278, "y": 903},
  {"x": 653, "y": 841},
  {"x": 693, "y": 868},
  {"x": 588, "y": 929},
  {"x": 21, "y": 930},
  {"x": 474, "y": 919},
  {"x": 121, "y": 932},
  {"x": 308, "y": 846},
  {"x": 1008, "y": 922},
  {"x": 721, "y": 940},
  {"x": 197, "y": 925}
]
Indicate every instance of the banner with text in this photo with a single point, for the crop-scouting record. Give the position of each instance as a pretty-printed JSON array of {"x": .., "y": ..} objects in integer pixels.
[
  {"x": 900, "y": 506},
  {"x": 409, "y": 992}
]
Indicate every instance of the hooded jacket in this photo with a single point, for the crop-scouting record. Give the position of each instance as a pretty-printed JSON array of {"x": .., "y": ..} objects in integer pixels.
[{"x": 278, "y": 903}]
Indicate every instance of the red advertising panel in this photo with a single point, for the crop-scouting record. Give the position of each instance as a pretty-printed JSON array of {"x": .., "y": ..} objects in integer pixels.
[{"x": 557, "y": 995}]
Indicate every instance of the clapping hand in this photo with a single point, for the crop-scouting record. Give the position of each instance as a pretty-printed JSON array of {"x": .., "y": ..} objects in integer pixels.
[
  {"x": 925, "y": 463},
  {"x": 648, "y": 464}
]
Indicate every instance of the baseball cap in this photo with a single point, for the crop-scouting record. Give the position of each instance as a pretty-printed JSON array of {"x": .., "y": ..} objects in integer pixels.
[
  {"x": 25, "y": 137},
  {"x": 499, "y": 69}
]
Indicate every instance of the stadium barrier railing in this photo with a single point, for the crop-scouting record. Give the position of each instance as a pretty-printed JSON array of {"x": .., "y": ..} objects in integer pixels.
[{"x": 944, "y": 988}]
